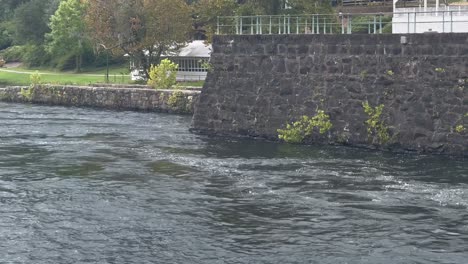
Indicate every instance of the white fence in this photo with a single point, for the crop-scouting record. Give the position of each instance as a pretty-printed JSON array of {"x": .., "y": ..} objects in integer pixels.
[{"x": 431, "y": 19}]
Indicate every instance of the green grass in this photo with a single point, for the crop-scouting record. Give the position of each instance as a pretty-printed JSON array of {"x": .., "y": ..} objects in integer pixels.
[
  {"x": 195, "y": 84},
  {"x": 64, "y": 78},
  {"x": 117, "y": 74}
]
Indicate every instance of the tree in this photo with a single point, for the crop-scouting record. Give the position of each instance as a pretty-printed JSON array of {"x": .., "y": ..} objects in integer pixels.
[
  {"x": 67, "y": 36},
  {"x": 261, "y": 7},
  {"x": 142, "y": 29},
  {"x": 31, "y": 22},
  {"x": 208, "y": 11},
  {"x": 310, "y": 6}
]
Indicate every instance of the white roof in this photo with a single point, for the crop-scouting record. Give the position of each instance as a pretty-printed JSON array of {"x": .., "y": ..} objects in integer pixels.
[{"x": 196, "y": 48}]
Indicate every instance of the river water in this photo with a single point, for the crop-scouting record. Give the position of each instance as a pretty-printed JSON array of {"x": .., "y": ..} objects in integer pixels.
[{"x": 89, "y": 186}]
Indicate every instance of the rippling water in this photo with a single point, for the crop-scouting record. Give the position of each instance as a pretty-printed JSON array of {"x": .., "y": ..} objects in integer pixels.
[{"x": 87, "y": 186}]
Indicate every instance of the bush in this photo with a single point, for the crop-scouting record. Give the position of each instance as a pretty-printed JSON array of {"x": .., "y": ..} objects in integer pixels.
[
  {"x": 164, "y": 75},
  {"x": 31, "y": 55},
  {"x": 6, "y": 34},
  {"x": 304, "y": 127},
  {"x": 13, "y": 53}
]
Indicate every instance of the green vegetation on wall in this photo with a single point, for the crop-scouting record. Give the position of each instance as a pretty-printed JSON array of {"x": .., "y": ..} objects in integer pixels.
[
  {"x": 297, "y": 131},
  {"x": 377, "y": 131},
  {"x": 178, "y": 100}
]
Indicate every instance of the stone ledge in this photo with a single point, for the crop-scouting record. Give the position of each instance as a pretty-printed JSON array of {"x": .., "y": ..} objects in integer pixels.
[{"x": 104, "y": 97}]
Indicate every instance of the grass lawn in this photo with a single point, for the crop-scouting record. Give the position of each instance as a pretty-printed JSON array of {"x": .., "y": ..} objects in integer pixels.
[
  {"x": 194, "y": 84},
  {"x": 118, "y": 74},
  {"x": 20, "y": 76}
]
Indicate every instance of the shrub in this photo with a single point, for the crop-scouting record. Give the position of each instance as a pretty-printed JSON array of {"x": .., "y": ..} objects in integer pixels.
[
  {"x": 460, "y": 129},
  {"x": 35, "y": 79},
  {"x": 297, "y": 131},
  {"x": 13, "y": 53},
  {"x": 179, "y": 101},
  {"x": 163, "y": 76},
  {"x": 375, "y": 125}
]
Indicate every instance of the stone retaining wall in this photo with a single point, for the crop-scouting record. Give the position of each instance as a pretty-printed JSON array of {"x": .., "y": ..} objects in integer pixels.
[
  {"x": 171, "y": 101},
  {"x": 261, "y": 83}
]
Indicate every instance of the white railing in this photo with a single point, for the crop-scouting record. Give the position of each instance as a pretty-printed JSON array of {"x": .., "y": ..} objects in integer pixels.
[{"x": 401, "y": 21}]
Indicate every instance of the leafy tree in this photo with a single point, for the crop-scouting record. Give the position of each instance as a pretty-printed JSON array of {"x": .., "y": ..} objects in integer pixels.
[
  {"x": 143, "y": 29},
  {"x": 208, "y": 11},
  {"x": 7, "y": 8},
  {"x": 261, "y": 7},
  {"x": 67, "y": 36},
  {"x": 31, "y": 22},
  {"x": 6, "y": 34},
  {"x": 310, "y": 6}
]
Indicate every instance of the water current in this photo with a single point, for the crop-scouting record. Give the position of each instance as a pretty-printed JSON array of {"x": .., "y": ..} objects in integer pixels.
[{"x": 93, "y": 186}]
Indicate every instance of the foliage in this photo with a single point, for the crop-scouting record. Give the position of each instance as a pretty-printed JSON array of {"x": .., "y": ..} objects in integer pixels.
[
  {"x": 31, "y": 55},
  {"x": 460, "y": 129},
  {"x": 35, "y": 79},
  {"x": 375, "y": 125},
  {"x": 179, "y": 101},
  {"x": 67, "y": 34},
  {"x": 142, "y": 29},
  {"x": 27, "y": 93},
  {"x": 7, "y": 30},
  {"x": 364, "y": 24},
  {"x": 12, "y": 53},
  {"x": 30, "y": 21},
  {"x": 207, "y": 12},
  {"x": 207, "y": 65},
  {"x": 297, "y": 131},
  {"x": 163, "y": 76},
  {"x": 439, "y": 70},
  {"x": 309, "y": 7}
]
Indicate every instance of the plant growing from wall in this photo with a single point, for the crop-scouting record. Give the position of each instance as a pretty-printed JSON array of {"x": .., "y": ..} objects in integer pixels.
[
  {"x": 375, "y": 125},
  {"x": 297, "y": 131},
  {"x": 35, "y": 80},
  {"x": 163, "y": 76},
  {"x": 27, "y": 93},
  {"x": 179, "y": 101},
  {"x": 460, "y": 129}
]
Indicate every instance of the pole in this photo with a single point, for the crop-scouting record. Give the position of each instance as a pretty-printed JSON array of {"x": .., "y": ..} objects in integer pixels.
[
  {"x": 107, "y": 66},
  {"x": 451, "y": 21},
  {"x": 380, "y": 23},
  {"x": 270, "y": 24},
  {"x": 297, "y": 25}
]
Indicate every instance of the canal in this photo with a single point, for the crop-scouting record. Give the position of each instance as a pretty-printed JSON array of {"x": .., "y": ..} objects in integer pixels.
[{"x": 89, "y": 186}]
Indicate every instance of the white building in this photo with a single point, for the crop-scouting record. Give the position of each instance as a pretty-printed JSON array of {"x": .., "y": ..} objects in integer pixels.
[
  {"x": 190, "y": 60},
  {"x": 423, "y": 19}
]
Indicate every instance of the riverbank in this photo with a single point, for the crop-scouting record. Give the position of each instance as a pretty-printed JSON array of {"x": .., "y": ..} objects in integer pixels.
[{"x": 120, "y": 97}]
